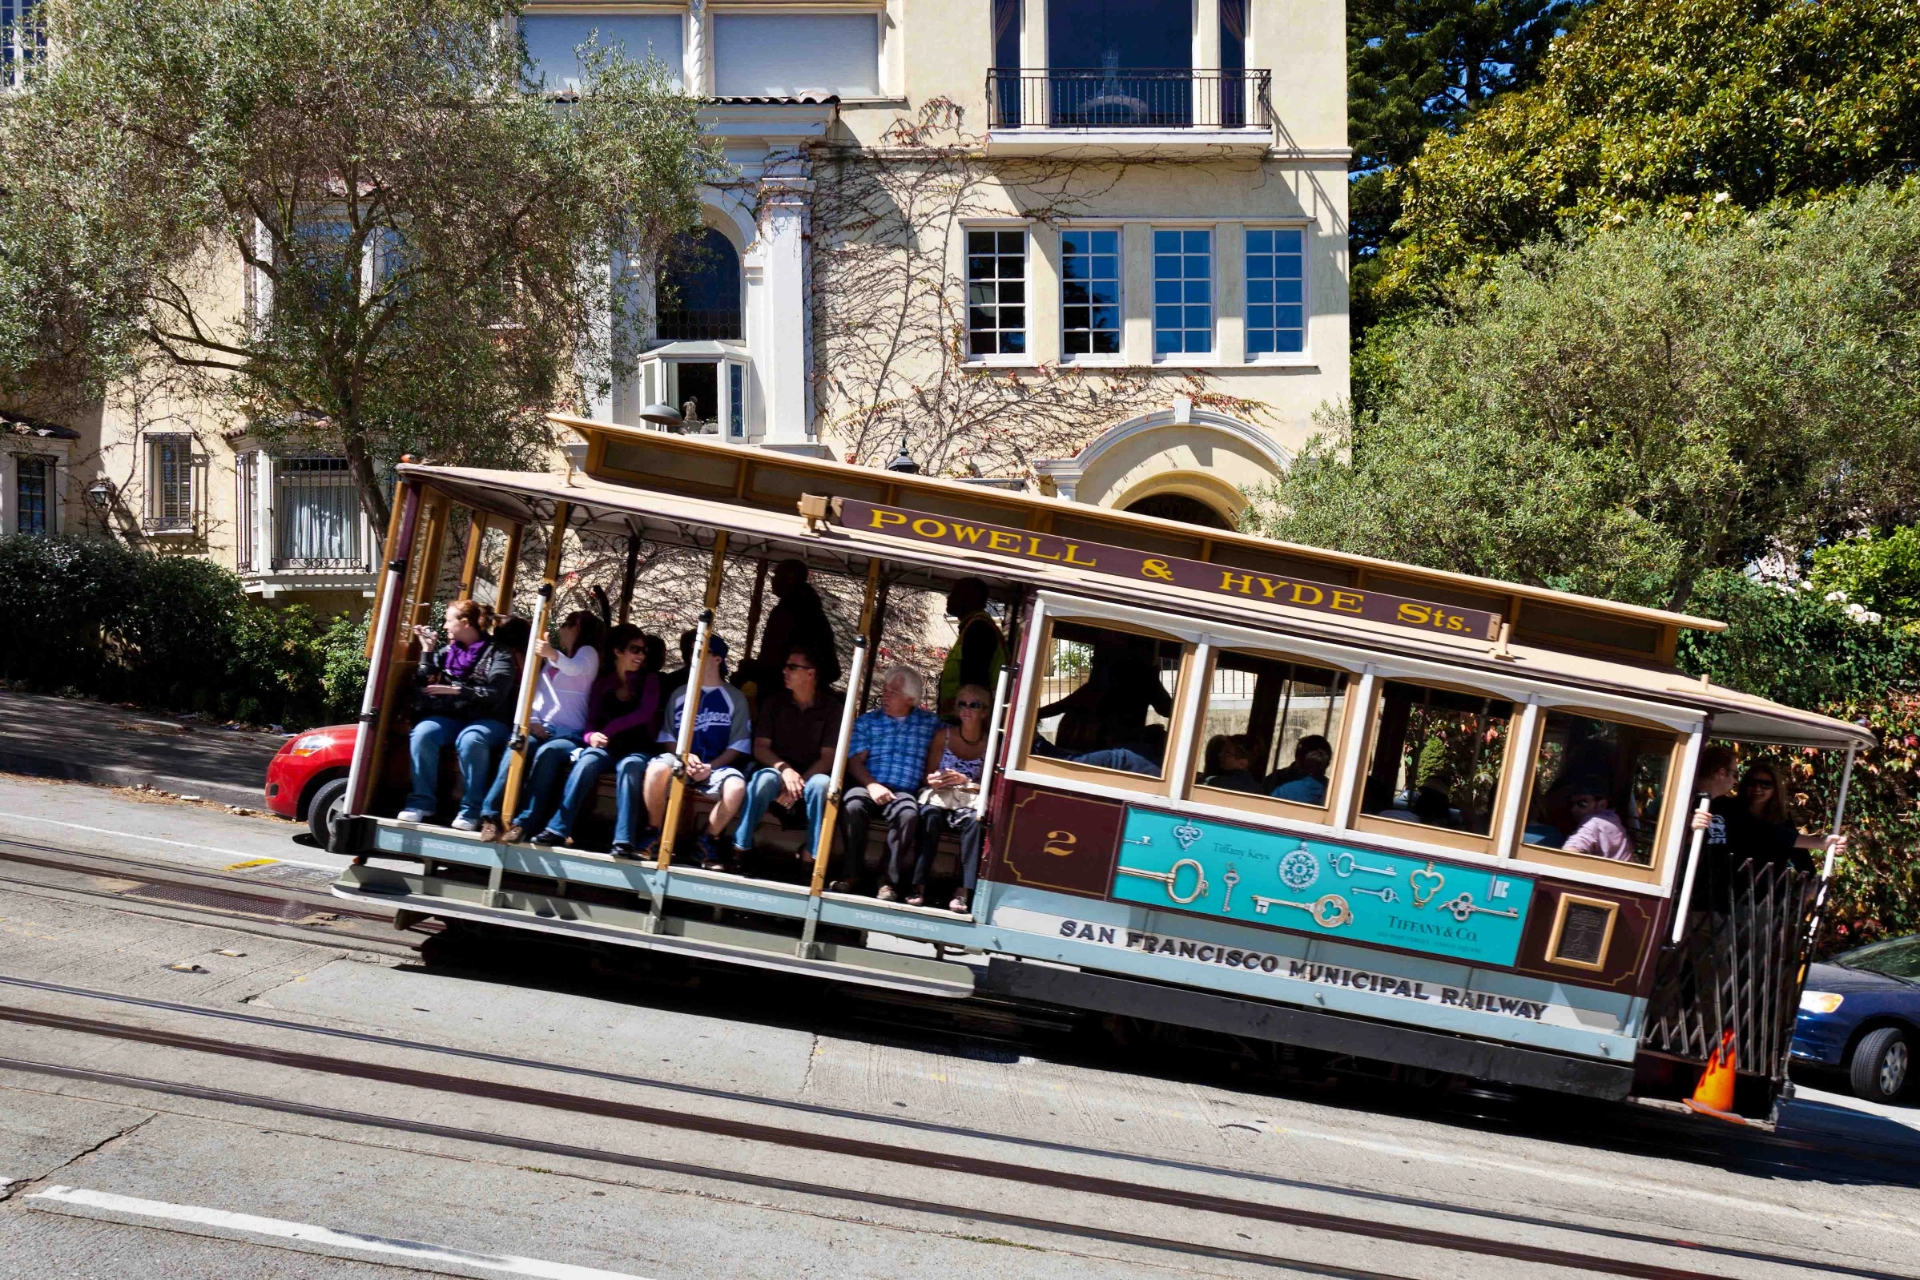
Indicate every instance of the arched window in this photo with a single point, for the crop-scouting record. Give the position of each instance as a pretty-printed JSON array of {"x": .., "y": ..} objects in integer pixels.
[
  {"x": 699, "y": 296},
  {"x": 1178, "y": 506}
]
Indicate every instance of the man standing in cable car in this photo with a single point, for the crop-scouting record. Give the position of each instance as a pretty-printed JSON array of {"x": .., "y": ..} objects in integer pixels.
[{"x": 979, "y": 650}]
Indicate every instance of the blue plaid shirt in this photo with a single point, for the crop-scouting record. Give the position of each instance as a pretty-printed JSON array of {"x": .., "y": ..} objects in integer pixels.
[{"x": 896, "y": 750}]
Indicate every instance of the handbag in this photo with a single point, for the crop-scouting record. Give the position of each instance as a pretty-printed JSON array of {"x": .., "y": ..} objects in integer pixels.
[{"x": 949, "y": 797}]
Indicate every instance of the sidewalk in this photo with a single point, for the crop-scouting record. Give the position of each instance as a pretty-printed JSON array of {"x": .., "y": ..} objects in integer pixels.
[{"x": 99, "y": 742}]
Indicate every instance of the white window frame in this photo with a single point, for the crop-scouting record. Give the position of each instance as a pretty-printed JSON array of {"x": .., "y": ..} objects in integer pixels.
[
  {"x": 1304, "y": 356},
  {"x": 1210, "y": 356},
  {"x": 1017, "y": 358},
  {"x": 1120, "y": 285}
]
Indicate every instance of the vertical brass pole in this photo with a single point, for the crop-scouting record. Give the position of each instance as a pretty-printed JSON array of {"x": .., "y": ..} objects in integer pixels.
[
  {"x": 530, "y": 674},
  {"x": 470, "y": 563},
  {"x": 426, "y": 581},
  {"x": 876, "y": 625},
  {"x": 690, "y": 710},
  {"x": 509, "y": 570}
]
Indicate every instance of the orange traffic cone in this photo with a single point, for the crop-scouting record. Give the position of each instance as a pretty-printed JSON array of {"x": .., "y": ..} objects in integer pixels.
[{"x": 1714, "y": 1095}]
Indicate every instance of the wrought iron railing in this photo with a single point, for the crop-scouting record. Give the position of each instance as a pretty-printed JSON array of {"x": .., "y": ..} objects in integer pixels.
[
  {"x": 1096, "y": 98},
  {"x": 316, "y": 515},
  {"x": 678, "y": 325}
]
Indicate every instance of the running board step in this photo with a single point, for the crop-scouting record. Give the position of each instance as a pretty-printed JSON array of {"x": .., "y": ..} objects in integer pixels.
[{"x": 452, "y": 900}]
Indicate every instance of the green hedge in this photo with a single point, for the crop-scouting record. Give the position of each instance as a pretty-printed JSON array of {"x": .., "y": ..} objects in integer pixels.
[{"x": 95, "y": 618}]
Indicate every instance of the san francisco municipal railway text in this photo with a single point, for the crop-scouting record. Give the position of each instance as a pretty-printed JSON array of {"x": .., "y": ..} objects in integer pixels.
[{"x": 1376, "y": 983}]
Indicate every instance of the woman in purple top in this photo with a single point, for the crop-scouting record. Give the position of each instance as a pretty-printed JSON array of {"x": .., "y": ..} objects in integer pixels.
[
  {"x": 463, "y": 696},
  {"x": 623, "y": 715}
]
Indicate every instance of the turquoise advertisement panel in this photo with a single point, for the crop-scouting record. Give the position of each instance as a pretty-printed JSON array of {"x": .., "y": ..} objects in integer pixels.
[{"x": 1267, "y": 878}]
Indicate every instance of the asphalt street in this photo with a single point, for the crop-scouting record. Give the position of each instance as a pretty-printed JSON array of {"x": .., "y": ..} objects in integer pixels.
[{"x": 207, "y": 1071}]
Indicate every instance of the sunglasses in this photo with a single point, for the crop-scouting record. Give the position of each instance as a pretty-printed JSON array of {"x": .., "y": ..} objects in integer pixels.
[
  {"x": 639, "y": 649},
  {"x": 796, "y": 666},
  {"x": 1760, "y": 784},
  {"x": 971, "y": 706}
]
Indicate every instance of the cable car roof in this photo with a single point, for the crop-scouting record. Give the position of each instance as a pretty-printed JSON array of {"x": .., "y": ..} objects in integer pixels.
[{"x": 652, "y": 511}]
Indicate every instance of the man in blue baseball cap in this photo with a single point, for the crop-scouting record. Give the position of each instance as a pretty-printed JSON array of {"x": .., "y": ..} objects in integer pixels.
[{"x": 722, "y": 738}]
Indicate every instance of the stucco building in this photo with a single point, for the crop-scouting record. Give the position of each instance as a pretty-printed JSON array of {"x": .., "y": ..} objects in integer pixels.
[{"x": 1093, "y": 247}]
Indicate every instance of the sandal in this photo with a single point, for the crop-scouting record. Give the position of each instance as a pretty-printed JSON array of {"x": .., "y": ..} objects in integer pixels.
[
  {"x": 918, "y": 898},
  {"x": 887, "y": 893},
  {"x": 960, "y": 905}
]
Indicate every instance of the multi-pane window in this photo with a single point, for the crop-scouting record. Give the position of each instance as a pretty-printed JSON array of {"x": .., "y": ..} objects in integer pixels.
[
  {"x": 996, "y": 293},
  {"x": 170, "y": 482},
  {"x": 1090, "y": 292},
  {"x": 1182, "y": 292},
  {"x": 246, "y": 511},
  {"x": 30, "y": 494},
  {"x": 1276, "y": 291},
  {"x": 21, "y": 42},
  {"x": 316, "y": 514}
]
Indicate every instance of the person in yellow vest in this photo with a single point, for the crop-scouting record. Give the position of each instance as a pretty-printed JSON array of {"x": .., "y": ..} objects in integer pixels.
[{"x": 979, "y": 650}]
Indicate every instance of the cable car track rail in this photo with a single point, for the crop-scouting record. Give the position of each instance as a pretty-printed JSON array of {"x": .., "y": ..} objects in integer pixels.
[{"x": 877, "y": 1151}]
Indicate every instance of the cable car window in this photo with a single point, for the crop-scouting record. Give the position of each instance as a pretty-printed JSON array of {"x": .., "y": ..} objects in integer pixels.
[
  {"x": 1106, "y": 698},
  {"x": 1598, "y": 787},
  {"x": 1437, "y": 757},
  {"x": 1270, "y": 726}
]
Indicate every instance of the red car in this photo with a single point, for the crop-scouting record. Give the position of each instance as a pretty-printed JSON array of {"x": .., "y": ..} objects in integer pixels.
[{"x": 307, "y": 778}]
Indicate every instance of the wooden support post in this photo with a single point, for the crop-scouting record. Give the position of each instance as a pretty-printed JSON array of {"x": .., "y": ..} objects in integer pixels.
[
  {"x": 470, "y": 563},
  {"x": 683, "y": 745},
  {"x": 753, "y": 610},
  {"x": 677, "y": 787},
  {"x": 509, "y": 570},
  {"x": 830, "y": 818},
  {"x": 869, "y": 631},
  {"x": 393, "y": 531},
  {"x": 627, "y": 578},
  {"x": 376, "y": 703},
  {"x": 433, "y": 546},
  {"x": 530, "y": 673}
]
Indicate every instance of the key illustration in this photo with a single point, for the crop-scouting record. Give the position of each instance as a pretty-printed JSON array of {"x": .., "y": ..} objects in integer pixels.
[
  {"x": 1384, "y": 893},
  {"x": 1345, "y": 864},
  {"x": 1230, "y": 879},
  {"x": 1171, "y": 879},
  {"x": 1464, "y": 908},
  {"x": 1329, "y": 911}
]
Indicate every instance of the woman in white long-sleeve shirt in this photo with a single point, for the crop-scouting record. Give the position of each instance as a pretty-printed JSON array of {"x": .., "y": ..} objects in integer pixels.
[{"x": 556, "y": 732}]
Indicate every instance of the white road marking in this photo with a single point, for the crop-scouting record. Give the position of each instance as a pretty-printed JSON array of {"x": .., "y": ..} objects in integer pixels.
[
  {"x": 247, "y": 1224},
  {"x": 178, "y": 844}
]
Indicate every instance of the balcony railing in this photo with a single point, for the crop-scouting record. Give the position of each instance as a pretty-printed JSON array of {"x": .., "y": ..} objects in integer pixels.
[
  {"x": 681, "y": 325},
  {"x": 1096, "y": 98}
]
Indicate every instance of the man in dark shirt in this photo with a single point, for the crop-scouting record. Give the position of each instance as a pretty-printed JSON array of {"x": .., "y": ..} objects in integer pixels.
[
  {"x": 798, "y": 621},
  {"x": 793, "y": 741},
  {"x": 979, "y": 650}
]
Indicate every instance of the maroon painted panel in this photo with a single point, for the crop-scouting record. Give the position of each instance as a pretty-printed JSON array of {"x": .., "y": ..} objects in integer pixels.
[
  {"x": 1064, "y": 843},
  {"x": 1630, "y": 955}
]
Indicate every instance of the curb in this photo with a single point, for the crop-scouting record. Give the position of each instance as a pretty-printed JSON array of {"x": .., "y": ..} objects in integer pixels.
[{"x": 128, "y": 776}]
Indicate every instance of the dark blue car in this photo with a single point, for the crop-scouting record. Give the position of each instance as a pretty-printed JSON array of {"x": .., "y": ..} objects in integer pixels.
[{"x": 1860, "y": 1013}]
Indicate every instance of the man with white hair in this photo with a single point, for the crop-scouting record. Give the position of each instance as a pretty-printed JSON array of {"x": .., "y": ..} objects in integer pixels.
[{"x": 887, "y": 760}]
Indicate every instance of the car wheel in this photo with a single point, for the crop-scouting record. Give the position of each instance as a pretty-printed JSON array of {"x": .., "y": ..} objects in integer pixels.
[
  {"x": 1880, "y": 1064},
  {"x": 328, "y": 803}
]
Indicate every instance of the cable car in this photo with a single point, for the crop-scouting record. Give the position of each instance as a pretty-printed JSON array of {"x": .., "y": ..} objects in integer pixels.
[{"x": 1368, "y": 809}]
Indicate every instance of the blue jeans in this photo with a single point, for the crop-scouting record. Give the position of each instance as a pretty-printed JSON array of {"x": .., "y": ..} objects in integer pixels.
[
  {"x": 539, "y": 786},
  {"x": 1121, "y": 758},
  {"x": 474, "y": 742},
  {"x": 629, "y": 777},
  {"x": 587, "y": 769},
  {"x": 763, "y": 788}
]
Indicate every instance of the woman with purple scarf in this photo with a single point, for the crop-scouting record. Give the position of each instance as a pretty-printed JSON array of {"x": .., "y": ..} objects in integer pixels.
[{"x": 464, "y": 695}]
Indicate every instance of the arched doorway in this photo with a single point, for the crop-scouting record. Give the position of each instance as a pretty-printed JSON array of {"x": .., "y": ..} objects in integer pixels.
[
  {"x": 700, "y": 290},
  {"x": 1178, "y": 506}
]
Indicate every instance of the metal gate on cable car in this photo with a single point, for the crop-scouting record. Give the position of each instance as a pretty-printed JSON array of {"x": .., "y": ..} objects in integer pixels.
[{"x": 1200, "y": 778}]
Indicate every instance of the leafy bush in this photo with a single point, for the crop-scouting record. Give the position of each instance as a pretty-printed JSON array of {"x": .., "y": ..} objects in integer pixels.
[
  {"x": 343, "y": 671},
  {"x": 172, "y": 631},
  {"x": 1877, "y": 574}
]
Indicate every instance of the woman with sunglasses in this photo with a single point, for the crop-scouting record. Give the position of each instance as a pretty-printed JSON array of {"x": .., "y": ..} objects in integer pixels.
[
  {"x": 1752, "y": 821},
  {"x": 954, "y": 760},
  {"x": 623, "y": 715},
  {"x": 556, "y": 727}
]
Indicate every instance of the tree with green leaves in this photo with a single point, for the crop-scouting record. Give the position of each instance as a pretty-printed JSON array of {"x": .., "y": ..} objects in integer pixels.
[
  {"x": 428, "y": 242},
  {"x": 1620, "y": 414},
  {"x": 1414, "y": 68},
  {"x": 1699, "y": 110}
]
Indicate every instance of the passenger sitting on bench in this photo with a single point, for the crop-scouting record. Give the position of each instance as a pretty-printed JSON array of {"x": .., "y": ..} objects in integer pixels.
[
  {"x": 794, "y": 737},
  {"x": 887, "y": 759},
  {"x": 722, "y": 737},
  {"x": 623, "y": 716},
  {"x": 1231, "y": 756},
  {"x": 463, "y": 696},
  {"x": 954, "y": 761},
  {"x": 556, "y": 730},
  {"x": 1305, "y": 780}
]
